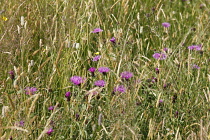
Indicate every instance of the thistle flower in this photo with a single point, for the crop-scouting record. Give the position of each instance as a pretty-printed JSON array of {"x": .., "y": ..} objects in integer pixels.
[
  {"x": 157, "y": 70},
  {"x": 92, "y": 70},
  {"x": 21, "y": 123},
  {"x": 49, "y": 132},
  {"x": 30, "y": 90},
  {"x": 160, "y": 101},
  {"x": 51, "y": 108},
  {"x": 195, "y": 47},
  {"x": 77, "y": 80},
  {"x": 68, "y": 95},
  {"x": 113, "y": 40},
  {"x": 103, "y": 70},
  {"x": 97, "y": 30},
  {"x": 12, "y": 75},
  {"x": 96, "y": 58},
  {"x": 126, "y": 75},
  {"x": 100, "y": 83},
  {"x": 194, "y": 66},
  {"x": 159, "y": 56},
  {"x": 165, "y": 49},
  {"x": 120, "y": 89},
  {"x": 166, "y": 24}
]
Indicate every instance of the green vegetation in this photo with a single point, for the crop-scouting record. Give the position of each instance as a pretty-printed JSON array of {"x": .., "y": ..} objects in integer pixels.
[{"x": 43, "y": 43}]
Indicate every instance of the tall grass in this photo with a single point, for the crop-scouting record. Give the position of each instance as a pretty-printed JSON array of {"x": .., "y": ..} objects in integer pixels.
[{"x": 46, "y": 42}]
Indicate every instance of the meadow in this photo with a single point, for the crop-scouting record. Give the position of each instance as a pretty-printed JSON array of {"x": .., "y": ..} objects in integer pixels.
[{"x": 105, "y": 69}]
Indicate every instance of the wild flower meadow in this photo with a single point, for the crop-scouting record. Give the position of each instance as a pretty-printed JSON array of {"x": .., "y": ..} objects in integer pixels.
[{"x": 95, "y": 69}]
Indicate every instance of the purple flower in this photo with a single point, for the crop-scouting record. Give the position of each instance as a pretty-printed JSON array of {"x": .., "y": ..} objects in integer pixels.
[
  {"x": 195, "y": 66},
  {"x": 154, "y": 79},
  {"x": 97, "y": 30},
  {"x": 157, "y": 70},
  {"x": 103, "y": 70},
  {"x": 68, "y": 94},
  {"x": 113, "y": 40},
  {"x": 30, "y": 90},
  {"x": 77, "y": 80},
  {"x": 126, "y": 75},
  {"x": 12, "y": 75},
  {"x": 49, "y": 132},
  {"x": 77, "y": 116},
  {"x": 51, "y": 108},
  {"x": 96, "y": 58},
  {"x": 159, "y": 56},
  {"x": 21, "y": 123},
  {"x": 166, "y": 24},
  {"x": 195, "y": 47},
  {"x": 100, "y": 83},
  {"x": 120, "y": 89},
  {"x": 92, "y": 70},
  {"x": 160, "y": 101},
  {"x": 165, "y": 50}
]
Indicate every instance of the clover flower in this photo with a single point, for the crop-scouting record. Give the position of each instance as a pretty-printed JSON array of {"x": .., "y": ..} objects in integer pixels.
[
  {"x": 97, "y": 30},
  {"x": 159, "y": 56},
  {"x": 166, "y": 24},
  {"x": 77, "y": 80},
  {"x": 126, "y": 75},
  {"x": 100, "y": 83},
  {"x": 30, "y": 90}
]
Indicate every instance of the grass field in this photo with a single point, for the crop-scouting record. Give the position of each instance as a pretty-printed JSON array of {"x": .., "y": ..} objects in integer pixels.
[{"x": 105, "y": 69}]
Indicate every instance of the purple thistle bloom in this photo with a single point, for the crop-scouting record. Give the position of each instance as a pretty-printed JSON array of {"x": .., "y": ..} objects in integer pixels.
[
  {"x": 77, "y": 116},
  {"x": 49, "y": 132},
  {"x": 195, "y": 47},
  {"x": 103, "y": 70},
  {"x": 195, "y": 66},
  {"x": 160, "y": 101},
  {"x": 100, "y": 83},
  {"x": 120, "y": 89},
  {"x": 51, "y": 108},
  {"x": 166, "y": 24},
  {"x": 68, "y": 95},
  {"x": 97, "y": 30},
  {"x": 12, "y": 75},
  {"x": 92, "y": 69},
  {"x": 159, "y": 56},
  {"x": 113, "y": 40},
  {"x": 30, "y": 90},
  {"x": 21, "y": 123},
  {"x": 157, "y": 70},
  {"x": 126, "y": 75},
  {"x": 96, "y": 58},
  {"x": 77, "y": 80},
  {"x": 165, "y": 50}
]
